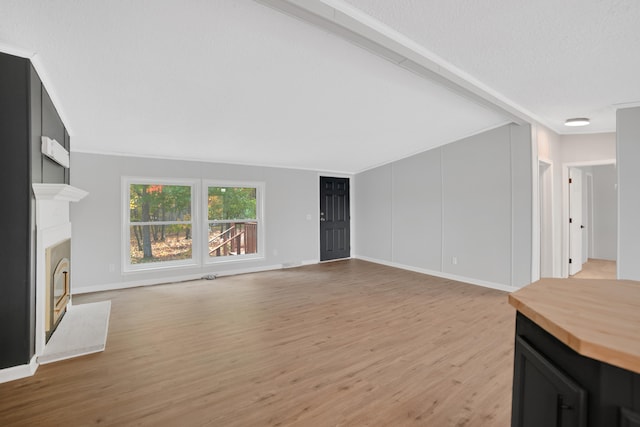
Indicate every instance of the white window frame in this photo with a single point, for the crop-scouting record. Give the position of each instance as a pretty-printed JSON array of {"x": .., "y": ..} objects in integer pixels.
[
  {"x": 127, "y": 266},
  {"x": 260, "y": 197}
]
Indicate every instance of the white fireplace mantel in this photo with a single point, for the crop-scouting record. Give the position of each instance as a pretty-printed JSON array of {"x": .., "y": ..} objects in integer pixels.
[
  {"x": 53, "y": 225},
  {"x": 60, "y": 192}
]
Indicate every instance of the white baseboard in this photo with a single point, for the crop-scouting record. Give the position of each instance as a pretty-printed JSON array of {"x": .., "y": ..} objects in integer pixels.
[
  {"x": 20, "y": 371},
  {"x": 455, "y": 277},
  {"x": 76, "y": 290}
]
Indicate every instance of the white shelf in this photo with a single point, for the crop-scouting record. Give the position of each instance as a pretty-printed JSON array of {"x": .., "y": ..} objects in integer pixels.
[{"x": 60, "y": 192}]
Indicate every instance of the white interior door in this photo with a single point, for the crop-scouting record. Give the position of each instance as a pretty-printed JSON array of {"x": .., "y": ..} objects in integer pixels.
[{"x": 575, "y": 220}]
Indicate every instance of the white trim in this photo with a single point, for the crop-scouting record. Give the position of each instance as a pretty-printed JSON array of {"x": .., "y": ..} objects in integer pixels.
[
  {"x": 352, "y": 218},
  {"x": 21, "y": 371},
  {"x": 58, "y": 192},
  {"x": 439, "y": 145},
  {"x": 392, "y": 210},
  {"x": 16, "y": 51},
  {"x": 512, "y": 211},
  {"x": 550, "y": 202},
  {"x": 204, "y": 160},
  {"x": 171, "y": 279},
  {"x": 325, "y": 172},
  {"x": 565, "y": 208},
  {"x": 469, "y": 280},
  {"x": 536, "y": 259},
  {"x": 589, "y": 190},
  {"x": 442, "y": 210}
]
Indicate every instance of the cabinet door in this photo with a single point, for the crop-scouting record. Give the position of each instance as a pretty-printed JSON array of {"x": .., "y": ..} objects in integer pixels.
[{"x": 542, "y": 394}]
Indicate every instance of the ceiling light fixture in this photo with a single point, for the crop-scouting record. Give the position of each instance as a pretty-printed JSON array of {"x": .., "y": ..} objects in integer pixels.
[{"x": 579, "y": 121}]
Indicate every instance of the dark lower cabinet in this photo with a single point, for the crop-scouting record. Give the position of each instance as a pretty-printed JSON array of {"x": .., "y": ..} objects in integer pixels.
[
  {"x": 553, "y": 386},
  {"x": 546, "y": 396}
]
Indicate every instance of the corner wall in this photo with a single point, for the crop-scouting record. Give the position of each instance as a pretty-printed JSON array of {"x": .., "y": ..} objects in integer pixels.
[
  {"x": 628, "y": 147},
  {"x": 461, "y": 211},
  {"x": 605, "y": 212}
]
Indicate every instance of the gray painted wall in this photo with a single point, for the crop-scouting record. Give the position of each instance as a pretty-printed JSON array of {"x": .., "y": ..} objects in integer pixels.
[
  {"x": 290, "y": 196},
  {"x": 477, "y": 207},
  {"x": 628, "y": 148},
  {"x": 417, "y": 211},
  {"x": 521, "y": 204},
  {"x": 373, "y": 213},
  {"x": 605, "y": 212},
  {"x": 469, "y": 200}
]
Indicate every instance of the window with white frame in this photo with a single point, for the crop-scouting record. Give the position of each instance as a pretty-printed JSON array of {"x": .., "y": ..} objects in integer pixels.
[
  {"x": 234, "y": 226},
  {"x": 159, "y": 223},
  {"x": 165, "y": 227}
]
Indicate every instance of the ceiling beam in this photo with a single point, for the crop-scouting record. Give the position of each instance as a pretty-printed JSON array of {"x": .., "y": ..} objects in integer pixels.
[{"x": 365, "y": 32}]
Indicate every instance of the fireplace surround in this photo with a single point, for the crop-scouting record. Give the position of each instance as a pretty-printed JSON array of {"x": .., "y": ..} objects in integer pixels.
[{"x": 53, "y": 251}]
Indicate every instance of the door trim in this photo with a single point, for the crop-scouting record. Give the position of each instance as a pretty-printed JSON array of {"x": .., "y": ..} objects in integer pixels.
[{"x": 546, "y": 209}]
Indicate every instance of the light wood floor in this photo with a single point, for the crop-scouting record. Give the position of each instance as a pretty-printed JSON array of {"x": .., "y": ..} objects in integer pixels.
[
  {"x": 347, "y": 343},
  {"x": 597, "y": 269}
]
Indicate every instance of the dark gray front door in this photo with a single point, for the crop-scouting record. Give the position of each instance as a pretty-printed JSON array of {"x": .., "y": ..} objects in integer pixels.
[{"x": 334, "y": 218}]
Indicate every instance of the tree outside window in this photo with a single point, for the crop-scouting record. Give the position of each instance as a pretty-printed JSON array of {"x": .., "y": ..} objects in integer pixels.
[{"x": 160, "y": 223}]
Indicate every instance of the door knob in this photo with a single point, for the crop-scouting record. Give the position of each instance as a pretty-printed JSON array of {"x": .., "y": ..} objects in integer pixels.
[{"x": 322, "y": 219}]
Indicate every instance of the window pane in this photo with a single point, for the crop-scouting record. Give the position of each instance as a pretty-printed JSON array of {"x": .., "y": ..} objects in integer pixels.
[
  {"x": 149, "y": 202},
  {"x": 154, "y": 243},
  {"x": 232, "y": 203},
  {"x": 235, "y": 238}
]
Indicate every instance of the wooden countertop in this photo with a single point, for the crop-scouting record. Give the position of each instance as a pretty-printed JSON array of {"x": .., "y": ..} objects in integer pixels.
[{"x": 597, "y": 318}]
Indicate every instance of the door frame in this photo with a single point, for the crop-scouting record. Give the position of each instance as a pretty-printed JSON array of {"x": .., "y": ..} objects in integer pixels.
[
  {"x": 576, "y": 219},
  {"x": 352, "y": 212},
  {"x": 587, "y": 207},
  {"x": 564, "y": 261},
  {"x": 546, "y": 219}
]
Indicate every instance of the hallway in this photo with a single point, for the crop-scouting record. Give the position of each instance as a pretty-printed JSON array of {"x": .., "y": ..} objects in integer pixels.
[{"x": 597, "y": 269}]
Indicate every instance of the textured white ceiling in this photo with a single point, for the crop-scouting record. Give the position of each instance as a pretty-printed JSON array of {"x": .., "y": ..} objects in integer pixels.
[
  {"x": 228, "y": 81},
  {"x": 558, "y": 59},
  {"x": 235, "y": 81}
]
